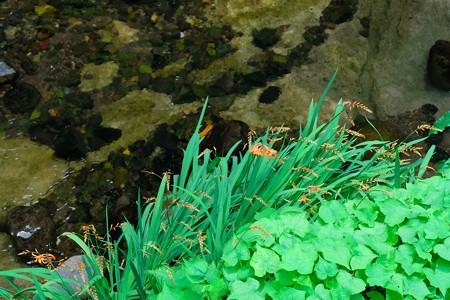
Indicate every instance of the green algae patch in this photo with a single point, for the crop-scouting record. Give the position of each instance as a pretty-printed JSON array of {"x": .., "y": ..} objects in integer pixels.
[
  {"x": 137, "y": 114},
  {"x": 28, "y": 170},
  {"x": 95, "y": 77}
]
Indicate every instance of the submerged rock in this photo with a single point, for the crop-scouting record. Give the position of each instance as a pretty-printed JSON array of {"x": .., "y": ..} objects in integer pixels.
[
  {"x": 23, "y": 98},
  {"x": 31, "y": 228},
  {"x": 266, "y": 37},
  {"x": 225, "y": 134}
]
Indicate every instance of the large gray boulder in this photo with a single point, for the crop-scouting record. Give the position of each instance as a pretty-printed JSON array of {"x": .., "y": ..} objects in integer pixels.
[{"x": 75, "y": 268}]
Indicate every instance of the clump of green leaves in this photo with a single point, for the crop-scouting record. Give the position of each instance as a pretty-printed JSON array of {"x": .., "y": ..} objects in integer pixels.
[{"x": 394, "y": 244}]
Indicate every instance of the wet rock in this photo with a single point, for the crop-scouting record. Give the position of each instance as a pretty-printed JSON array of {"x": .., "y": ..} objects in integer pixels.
[
  {"x": 383, "y": 128},
  {"x": 222, "y": 103},
  {"x": 69, "y": 128},
  {"x": 365, "y": 24},
  {"x": 214, "y": 31},
  {"x": 340, "y": 11},
  {"x": 200, "y": 90},
  {"x": 69, "y": 144},
  {"x": 299, "y": 54},
  {"x": 224, "y": 85},
  {"x": 102, "y": 136},
  {"x": 251, "y": 80},
  {"x": 31, "y": 228},
  {"x": 44, "y": 10},
  {"x": 128, "y": 72},
  {"x": 225, "y": 134},
  {"x": 440, "y": 155},
  {"x": 266, "y": 37},
  {"x": 6, "y": 72},
  {"x": 44, "y": 32},
  {"x": 127, "y": 58},
  {"x": 428, "y": 110},
  {"x": 164, "y": 137},
  {"x": 163, "y": 85},
  {"x": 74, "y": 3},
  {"x": 80, "y": 49},
  {"x": 277, "y": 65},
  {"x": 315, "y": 35},
  {"x": 144, "y": 80},
  {"x": 270, "y": 95},
  {"x": 438, "y": 67},
  {"x": 29, "y": 66},
  {"x": 80, "y": 99},
  {"x": 23, "y": 98},
  {"x": 186, "y": 95}
]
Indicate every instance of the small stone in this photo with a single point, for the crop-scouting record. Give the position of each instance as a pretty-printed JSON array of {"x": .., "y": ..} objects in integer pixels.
[
  {"x": 23, "y": 98},
  {"x": 163, "y": 85},
  {"x": 29, "y": 66},
  {"x": 265, "y": 37},
  {"x": 337, "y": 14},
  {"x": 270, "y": 95},
  {"x": 6, "y": 72},
  {"x": 44, "y": 10},
  {"x": 69, "y": 144}
]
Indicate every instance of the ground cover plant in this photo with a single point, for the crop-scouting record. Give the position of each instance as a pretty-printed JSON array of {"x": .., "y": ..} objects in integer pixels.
[
  {"x": 393, "y": 244},
  {"x": 197, "y": 214}
]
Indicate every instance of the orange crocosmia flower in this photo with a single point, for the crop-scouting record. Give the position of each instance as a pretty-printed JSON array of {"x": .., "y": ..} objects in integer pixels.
[
  {"x": 303, "y": 199},
  {"x": 259, "y": 149},
  {"x": 43, "y": 258}
]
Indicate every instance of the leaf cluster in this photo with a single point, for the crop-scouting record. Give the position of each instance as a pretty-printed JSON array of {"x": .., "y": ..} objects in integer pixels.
[{"x": 393, "y": 245}]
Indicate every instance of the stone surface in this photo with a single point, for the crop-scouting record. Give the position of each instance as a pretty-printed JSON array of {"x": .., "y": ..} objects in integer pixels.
[
  {"x": 401, "y": 33},
  {"x": 386, "y": 70}
]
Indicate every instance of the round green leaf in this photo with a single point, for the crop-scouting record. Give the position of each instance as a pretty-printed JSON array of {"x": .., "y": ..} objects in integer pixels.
[
  {"x": 443, "y": 250},
  {"x": 264, "y": 261},
  {"x": 235, "y": 251},
  {"x": 325, "y": 269},
  {"x": 300, "y": 257},
  {"x": 333, "y": 211}
]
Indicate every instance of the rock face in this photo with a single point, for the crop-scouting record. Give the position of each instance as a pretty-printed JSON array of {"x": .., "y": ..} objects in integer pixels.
[
  {"x": 381, "y": 54},
  {"x": 400, "y": 36},
  {"x": 439, "y": 65}
]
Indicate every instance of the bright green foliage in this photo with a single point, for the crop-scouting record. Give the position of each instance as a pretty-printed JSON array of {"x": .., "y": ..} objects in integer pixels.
[{"x": 403, "y": 252}]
